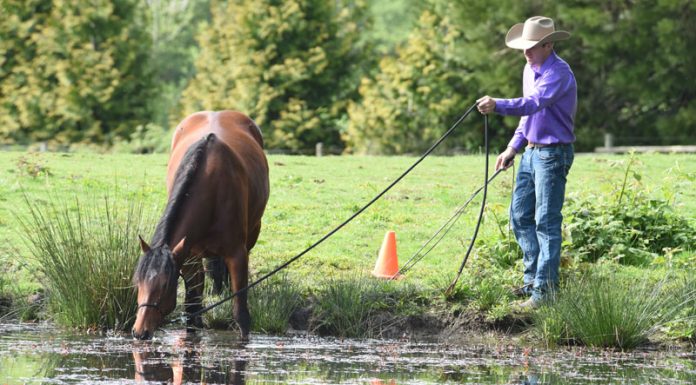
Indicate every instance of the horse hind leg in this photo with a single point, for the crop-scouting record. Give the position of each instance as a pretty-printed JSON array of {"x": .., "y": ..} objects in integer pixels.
[
  {"x": 238, "y": 266},
  {"x": 217, "y": 271}
]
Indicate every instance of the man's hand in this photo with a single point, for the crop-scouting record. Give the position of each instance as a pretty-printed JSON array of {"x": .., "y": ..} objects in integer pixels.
[
  {"x": 486, "y": 105},
  {"x": 505, "y": 159}
]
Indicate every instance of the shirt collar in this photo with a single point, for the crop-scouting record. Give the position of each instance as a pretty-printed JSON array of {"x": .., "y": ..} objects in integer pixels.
[{"x": 547, "y": 63}]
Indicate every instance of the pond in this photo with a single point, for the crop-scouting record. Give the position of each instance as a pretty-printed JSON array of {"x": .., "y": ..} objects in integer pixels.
[{"x": 42, "y": 354}]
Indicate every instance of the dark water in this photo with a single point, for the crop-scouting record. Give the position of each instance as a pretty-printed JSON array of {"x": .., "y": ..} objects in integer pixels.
[{"x": 45, "y": 355}]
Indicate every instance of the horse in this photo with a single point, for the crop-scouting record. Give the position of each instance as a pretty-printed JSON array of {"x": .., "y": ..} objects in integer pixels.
[{"x": 218, "y": 187}]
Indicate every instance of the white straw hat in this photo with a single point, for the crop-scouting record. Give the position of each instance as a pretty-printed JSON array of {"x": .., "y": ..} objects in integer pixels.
[{"x": 534, "y": 31}]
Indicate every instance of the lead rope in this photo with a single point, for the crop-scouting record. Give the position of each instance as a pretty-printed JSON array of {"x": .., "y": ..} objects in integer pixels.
[
  {"x": 446, "y": 227},
  {"x": 483, "y": 206},
  {"x": 332, "y": 232}
]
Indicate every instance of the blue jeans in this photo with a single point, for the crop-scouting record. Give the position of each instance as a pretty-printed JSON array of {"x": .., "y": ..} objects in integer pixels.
[{"x": 536, "y": 216}]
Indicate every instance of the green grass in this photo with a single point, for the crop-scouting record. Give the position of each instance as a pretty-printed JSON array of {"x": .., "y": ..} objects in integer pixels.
[
  {"x": 606, "y": 310},
  {"x": 310, "y": 196},
  {"x": 271, "y": 303},
  {"x": 83, "y": 253}
]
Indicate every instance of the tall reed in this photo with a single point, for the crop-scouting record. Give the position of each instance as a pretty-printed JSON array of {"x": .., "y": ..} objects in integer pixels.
[{"x": 84, "y": 252}]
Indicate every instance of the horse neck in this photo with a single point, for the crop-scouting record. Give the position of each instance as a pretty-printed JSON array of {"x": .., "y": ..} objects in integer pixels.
[{"x": 190, "y": 166}]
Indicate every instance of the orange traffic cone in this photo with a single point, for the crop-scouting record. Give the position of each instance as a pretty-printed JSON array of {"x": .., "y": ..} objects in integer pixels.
[{"x": 387, "y": 265}]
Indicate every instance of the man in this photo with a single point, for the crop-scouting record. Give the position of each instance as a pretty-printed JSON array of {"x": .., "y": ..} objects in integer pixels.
[{"x": 545, "y": 132}]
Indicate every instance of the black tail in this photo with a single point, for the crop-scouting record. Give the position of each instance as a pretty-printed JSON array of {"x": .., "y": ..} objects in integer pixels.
[{"x": 217, "y": 271}]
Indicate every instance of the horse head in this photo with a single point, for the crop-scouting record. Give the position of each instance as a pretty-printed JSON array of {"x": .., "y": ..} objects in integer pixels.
[{"x": 156, "y": 279}]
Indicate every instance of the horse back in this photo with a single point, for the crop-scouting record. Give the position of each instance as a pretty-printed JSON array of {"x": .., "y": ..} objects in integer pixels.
[{"x": 237, "y": 131}]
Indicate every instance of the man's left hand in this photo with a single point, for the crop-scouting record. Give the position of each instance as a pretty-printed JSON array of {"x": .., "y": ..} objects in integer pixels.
[{"x": 486, "y": 105}]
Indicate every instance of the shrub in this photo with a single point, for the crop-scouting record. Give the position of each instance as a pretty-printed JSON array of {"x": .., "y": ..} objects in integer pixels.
[
  {"x": 271, "y": 304},
  {"x": 629, "y": 227}
]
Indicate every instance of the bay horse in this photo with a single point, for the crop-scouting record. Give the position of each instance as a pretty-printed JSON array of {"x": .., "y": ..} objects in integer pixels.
[{"x": 217, "y": 185}]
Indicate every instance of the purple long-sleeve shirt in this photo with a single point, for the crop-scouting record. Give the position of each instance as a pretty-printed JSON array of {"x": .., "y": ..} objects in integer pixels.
[{"x": 547, "y": 106}]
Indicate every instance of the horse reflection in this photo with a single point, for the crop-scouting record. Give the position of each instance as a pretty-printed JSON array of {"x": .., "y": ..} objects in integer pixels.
[{"x": 183, "y": 366}]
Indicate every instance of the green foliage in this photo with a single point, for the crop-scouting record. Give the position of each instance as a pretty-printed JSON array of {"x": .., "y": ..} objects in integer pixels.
[
  {"x": 603, "y": 310},
  {"x": 503, "y": 250},
  {"x": 84, "y": 252},
  {"x": 172, "y": 26},
  {"x": 630, "y": 226},
  {"x": 683, "y": 326},
  {"x": 414, "y": 97},
  {"x": 290, "y": 65},
  {"x": 649, "y": 101},
  {"x": 72, "y": 71},
  {"x": 271, "y": 303}
]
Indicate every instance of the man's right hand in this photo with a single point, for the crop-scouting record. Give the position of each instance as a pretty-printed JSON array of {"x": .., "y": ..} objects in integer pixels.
[{"x": 505, "y": 159}]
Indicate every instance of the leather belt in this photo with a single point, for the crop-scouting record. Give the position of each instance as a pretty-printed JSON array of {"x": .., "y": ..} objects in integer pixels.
[{"x": 541, "y": 145}]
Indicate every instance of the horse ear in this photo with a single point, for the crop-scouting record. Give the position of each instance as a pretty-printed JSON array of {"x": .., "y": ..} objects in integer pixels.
[
  {"x": 180, "y": 247},
  {"x": 143, "y": 245}
]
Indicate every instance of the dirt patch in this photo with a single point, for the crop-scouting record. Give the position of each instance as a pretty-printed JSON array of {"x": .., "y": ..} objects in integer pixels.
[{"x": 428, "y": 327}]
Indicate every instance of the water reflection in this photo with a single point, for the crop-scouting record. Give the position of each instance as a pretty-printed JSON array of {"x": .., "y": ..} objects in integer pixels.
[
  {"x": 181, "y": 363},
  {"x": 32, "y": 355}
]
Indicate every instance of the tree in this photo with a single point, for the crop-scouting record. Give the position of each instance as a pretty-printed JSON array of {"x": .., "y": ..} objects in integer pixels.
[
  {"x": 173, "y": 25},
  {"x": 442, "y": 69},
  {"x": 72, "y": 71},
  {"x": 291, "y": 65}
]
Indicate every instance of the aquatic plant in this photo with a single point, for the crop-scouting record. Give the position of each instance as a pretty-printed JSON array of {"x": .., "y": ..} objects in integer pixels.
[{"x": 83, "y": 252}]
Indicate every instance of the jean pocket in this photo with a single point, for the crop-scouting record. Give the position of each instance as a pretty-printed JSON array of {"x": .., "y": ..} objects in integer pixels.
[{"x": 551, "y": 153}]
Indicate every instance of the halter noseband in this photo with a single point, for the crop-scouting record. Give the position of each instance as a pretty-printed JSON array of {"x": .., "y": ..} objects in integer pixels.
[{"x": 155, "y": 306}]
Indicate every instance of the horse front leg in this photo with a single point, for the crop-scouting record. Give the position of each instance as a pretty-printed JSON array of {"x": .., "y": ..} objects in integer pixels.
[
  {"x": 194, "y": 277},
  {"x": 238, "y": 266}
]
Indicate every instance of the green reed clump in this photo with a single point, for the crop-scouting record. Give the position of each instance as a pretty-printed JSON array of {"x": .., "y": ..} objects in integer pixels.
[
  {"x": 84, "y": 252},
  {"x": 342, "y": 308},
  {"x": 271, "y": 303},
  {"x": 606, "y": 311},
  {"x": 684, "y": 324}
]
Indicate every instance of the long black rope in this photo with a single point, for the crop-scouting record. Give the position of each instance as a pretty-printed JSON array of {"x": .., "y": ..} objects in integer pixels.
[
  {"x": 332, "y": 232},
  {"x": 441, "y": 232},
  {"x": 480, "y": 217}
]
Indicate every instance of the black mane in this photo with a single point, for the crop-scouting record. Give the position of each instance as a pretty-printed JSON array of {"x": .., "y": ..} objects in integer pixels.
[
  {"x": 185, "y": 176},
  {"x": 157, "y": 262}
]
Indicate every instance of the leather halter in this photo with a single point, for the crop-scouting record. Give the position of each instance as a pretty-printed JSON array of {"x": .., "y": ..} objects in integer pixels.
[{"x": 155, "y": 306}]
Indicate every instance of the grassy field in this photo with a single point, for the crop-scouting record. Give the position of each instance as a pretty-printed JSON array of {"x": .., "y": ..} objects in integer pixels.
[{"x": 310, "y": 196}]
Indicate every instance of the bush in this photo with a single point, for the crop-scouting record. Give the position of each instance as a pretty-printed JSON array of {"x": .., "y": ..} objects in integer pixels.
[{"x": 629, "y": 227}]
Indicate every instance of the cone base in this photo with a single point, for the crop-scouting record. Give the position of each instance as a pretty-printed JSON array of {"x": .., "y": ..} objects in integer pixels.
[{"x": 386, "y": 276}]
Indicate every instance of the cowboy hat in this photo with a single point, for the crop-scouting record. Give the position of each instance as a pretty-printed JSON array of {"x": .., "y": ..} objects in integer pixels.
[{"x": 534, "y": 31}]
